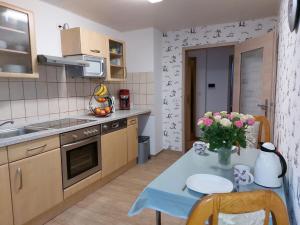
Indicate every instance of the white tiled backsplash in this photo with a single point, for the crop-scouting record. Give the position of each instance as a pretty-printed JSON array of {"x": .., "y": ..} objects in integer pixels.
[{"x": 55, "y": 95}]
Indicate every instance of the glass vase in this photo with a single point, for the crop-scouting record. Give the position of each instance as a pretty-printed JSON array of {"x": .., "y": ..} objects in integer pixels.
[{"x": 224, "y": 155}]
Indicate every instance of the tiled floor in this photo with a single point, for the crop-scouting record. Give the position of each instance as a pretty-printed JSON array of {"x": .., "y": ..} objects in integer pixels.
[{"x": 110, "y": 204}]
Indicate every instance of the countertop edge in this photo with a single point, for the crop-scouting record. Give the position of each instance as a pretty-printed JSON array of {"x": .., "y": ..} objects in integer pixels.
[{"x": 120, "y": 114}]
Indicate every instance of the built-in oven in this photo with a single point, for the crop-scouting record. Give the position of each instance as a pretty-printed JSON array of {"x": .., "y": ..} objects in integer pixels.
[{"x": 80, "y": 154}]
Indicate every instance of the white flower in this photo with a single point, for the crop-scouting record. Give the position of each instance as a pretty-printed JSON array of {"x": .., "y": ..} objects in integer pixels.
[
  {"x": 250, "y": 117},
  {"x": 223, "y": 113},
  {"x": 244, "y": 118},
  {"x": 208, "y": 114},
  {"x": 225, "y": 122},
  {"x": 218, "y": 118}
]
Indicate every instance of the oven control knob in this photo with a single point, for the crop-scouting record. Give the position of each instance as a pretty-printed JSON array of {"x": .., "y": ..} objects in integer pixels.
[
  {"x": 86, "y": 133},
  {"x": 95, "y": 131}
]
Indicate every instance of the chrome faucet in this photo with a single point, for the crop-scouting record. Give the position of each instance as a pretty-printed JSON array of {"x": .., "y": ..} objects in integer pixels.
[{"x": 9, "y": 121}]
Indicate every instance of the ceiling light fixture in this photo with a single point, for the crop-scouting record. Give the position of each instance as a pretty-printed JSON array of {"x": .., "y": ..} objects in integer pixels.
[{"x": 154, "y": 1}]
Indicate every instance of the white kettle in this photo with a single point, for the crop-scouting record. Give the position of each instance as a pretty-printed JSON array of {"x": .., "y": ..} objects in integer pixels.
[{"x": 270, "y": 167}]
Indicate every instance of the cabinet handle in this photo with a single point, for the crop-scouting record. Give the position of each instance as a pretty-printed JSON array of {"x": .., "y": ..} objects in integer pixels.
[
  {"x": 115, "y": 125},
  {"x": 19, "y": 174},
  {"x": 41, "y": 148},
  {"x": 95, "y": 50}
]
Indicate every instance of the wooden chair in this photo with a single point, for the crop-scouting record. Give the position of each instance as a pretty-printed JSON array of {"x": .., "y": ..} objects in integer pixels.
[
  {"x": 238, "y": 203},
  {"x": 264, "y": 132}
]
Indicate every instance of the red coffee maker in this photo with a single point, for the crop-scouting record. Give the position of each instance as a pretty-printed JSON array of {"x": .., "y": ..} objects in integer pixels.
[{"x": 124, "y": 99}]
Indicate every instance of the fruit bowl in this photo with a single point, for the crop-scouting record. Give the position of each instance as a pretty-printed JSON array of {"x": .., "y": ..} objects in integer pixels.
[{"x": 101, "y": 103}]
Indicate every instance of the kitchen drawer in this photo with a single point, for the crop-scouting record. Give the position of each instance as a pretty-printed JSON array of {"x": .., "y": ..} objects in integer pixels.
[
  {"x": 3, "y": 156},
  {"x": 132, "y": 121},
  {"x": 30, "y": 148}
]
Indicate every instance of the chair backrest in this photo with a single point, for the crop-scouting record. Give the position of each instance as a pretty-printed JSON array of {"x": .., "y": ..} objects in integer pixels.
[
  {"x": 264, "y": 133},
  {"x": 238, "y": 203}
]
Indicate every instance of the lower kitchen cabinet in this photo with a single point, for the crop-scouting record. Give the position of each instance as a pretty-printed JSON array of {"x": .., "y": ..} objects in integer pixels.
[
  {"x": 132, "y": 138},
  {"x": 36, "y": 185},
  {"x": 6, "y": 215},
  {"x": 114, "y": 151}
]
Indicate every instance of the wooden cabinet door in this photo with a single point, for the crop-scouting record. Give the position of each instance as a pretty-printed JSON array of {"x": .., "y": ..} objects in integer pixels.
[
  {"x": 81, "y": 41},
  {"x": 36, "y": 185},
  {"x": 114, "y": 151},
  {"x": 93, "y": 43},
  {"x": 6, "y": 215},
  {"x": 132, "y": 139}
]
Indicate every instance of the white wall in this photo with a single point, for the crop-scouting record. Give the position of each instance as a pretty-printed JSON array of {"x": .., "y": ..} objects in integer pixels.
[
  {"x": 139, "y": 50},
  {"x": 287, "y": 116},
  {"x": 173, "y": 42},
  {"x": 143, "y": 54},
  {"x": 47, "y": 19}
]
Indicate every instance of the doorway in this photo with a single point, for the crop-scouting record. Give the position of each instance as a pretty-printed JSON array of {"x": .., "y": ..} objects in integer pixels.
[
  {"x": 209, "y": 80},
  {"x": 238, "y": 77}
]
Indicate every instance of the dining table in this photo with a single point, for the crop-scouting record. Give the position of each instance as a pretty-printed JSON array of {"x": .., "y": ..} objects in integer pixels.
[{"x": 168, "y": 194}]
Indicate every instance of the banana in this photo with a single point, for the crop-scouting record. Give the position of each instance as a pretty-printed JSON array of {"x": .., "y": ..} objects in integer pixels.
[
  {"x": 98, "y": 93},
  {"x": 104, "y": 91}
]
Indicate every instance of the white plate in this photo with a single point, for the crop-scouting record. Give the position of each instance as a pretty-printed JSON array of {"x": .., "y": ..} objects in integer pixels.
[
  {"x": 209, "y": 184},
  {"x": 11, "y": 68}
]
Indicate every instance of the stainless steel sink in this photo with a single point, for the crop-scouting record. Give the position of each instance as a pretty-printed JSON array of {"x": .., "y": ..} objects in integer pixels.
[{"x": 7, "y": 133}]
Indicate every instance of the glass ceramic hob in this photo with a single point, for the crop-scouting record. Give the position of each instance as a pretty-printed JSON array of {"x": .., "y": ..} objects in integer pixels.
[{"x": 62, "y": 123}]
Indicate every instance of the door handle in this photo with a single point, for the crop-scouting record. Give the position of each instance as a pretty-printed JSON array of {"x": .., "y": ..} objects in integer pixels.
[
  {"x": 95, "y": 50},
  {"x": 264, "y": 107},
  {"x": 19, "y": 174}
]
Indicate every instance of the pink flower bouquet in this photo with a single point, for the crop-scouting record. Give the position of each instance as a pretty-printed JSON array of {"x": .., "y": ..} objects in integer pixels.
[{"x": 223, "y": 130}]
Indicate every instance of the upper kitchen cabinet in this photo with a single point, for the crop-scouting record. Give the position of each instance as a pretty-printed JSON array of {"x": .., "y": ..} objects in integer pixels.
[
  {"x": 17, "y": 43},
  {"x": 117, "y": 65},
  {"x": 79, "y": 41}
]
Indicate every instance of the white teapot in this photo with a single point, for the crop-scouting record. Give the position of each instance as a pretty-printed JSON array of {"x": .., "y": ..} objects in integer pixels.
[{"x": 270, "y": 167}]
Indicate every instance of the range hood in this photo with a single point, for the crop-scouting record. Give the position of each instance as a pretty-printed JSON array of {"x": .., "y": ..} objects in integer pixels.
[{"x": 60, "y": 61}]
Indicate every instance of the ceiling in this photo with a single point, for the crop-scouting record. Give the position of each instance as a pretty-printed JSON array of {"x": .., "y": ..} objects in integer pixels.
[{"x": 125, "y": 15}]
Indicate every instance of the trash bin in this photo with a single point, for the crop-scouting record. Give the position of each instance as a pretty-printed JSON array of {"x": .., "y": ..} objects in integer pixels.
[{"x": 144, "y": 149}]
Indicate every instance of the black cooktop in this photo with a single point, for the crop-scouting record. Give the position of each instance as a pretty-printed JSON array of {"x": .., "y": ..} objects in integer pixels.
[{"x": 62, "y": 123}]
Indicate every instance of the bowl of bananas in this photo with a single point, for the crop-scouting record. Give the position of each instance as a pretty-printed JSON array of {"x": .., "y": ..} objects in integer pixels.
[{"x": 101, "y": 102}]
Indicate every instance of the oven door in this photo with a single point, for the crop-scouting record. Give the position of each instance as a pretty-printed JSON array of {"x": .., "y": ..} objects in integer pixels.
[{"x": 80, "y": 160}]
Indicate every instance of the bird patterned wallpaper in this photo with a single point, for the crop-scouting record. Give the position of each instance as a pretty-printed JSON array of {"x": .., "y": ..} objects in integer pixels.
[
  {"x": 287, "y": 116},
  {"x": 173, "y": 42}
]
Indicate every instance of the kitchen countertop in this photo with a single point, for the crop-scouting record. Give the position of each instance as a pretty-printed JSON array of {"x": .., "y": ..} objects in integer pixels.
[{"x": 119, "y": 114}]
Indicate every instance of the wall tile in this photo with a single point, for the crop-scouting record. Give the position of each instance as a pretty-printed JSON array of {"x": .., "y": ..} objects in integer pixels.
[
  {"x": 4, "y": 91},
  {"x": 143, "y": 89},
  {"x": 87, "y": 89},
  {"x": 42, "y": 89},
  {"x": 61, "y": 74},
  {"x": 63, "y": 105},
  {"x": 80, "y": 103},
  {"x": 29, "y": 90},
  {"x": 52, "y": 90},
  {"x": 79, "y": 89},
  {"x": 71, "y": 89},
  {"x": 42, "y": 73},
  {"x": 62, "y": 90},
  {"x": 51, "y": 74},
  {"x": 5, "y": 110},
  {"x": 72, "y": 104},
  {"x": 16, "y": 91},
  {"x": 31, "y": 108},
  {"x": 17, "y": 109},
  {"x": 53, "y": 106},
  {"x": 43, "y": 107}
]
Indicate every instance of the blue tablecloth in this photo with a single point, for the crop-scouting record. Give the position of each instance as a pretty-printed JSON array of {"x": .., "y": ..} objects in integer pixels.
[{"x": 165, "y": 192}]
